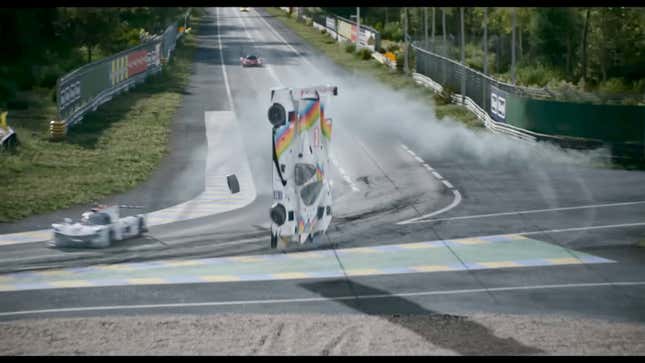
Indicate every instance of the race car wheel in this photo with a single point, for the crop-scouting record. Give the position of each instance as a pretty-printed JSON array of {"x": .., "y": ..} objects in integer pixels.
[
  {"x": 142, "y": 226},
  {"x": 274, "y": 240}
]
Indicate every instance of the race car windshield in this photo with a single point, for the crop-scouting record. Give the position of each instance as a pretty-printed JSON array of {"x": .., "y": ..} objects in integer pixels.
[
  {"x": 98, "y": 219},
  {"x": 304, "y": 172},
  {"x": 310, "y": 192},
  {"x": 251, "y": 57}
]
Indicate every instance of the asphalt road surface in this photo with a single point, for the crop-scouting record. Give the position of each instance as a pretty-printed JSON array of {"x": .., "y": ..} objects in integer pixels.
[{"x": 429, "y": 217}]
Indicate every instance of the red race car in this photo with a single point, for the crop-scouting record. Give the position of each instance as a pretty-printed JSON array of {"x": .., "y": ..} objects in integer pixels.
[{"x": 251, "y": 61}]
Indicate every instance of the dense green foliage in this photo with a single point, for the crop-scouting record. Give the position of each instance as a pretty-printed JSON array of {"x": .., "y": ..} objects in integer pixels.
[
  {"x": 41, "y": 44},
  {"x": 600, "y": 49}
]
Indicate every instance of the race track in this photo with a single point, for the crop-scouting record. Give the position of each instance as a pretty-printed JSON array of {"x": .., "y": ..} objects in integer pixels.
[{"x": 430, "y": 217}]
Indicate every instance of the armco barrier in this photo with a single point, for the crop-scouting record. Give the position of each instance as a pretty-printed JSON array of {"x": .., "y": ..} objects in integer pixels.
[
  {"x": 84, "y": 89},
  {"x": 533, "y": 114}
]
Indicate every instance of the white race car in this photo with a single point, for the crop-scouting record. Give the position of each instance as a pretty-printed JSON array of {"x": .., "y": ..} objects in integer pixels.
[
  {"x": 302, "y": 209},
  {"x": 98, "y": 228}
]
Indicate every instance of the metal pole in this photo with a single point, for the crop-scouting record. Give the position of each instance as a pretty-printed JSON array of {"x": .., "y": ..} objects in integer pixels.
[
  {"x": 513, "y": 47},
  {"x": 485, "y": 40},
  {"x": 445, "y": 48},
  {"x": 425, "y": 17},
  {"x": 463, "y": 60},
  {"x": 358, "y": 28},
  {"x": 443, "y": 24},
  {"x": 433, "y": 29},
  {"x": 405, "y": 38}
]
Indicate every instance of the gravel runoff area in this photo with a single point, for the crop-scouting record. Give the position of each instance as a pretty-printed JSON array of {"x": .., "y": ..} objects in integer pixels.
[{"x": 256, "y": 334}]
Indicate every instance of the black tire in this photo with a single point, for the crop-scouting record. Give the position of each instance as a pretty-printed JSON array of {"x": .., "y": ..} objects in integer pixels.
[
  {"x": 142, "y": 226},
  {"x": 274, "y": 241}
]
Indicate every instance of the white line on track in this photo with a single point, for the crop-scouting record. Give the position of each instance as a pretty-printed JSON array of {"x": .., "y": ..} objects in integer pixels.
[
  {"x": 325, "y": 299},
  {"x": 456, "y": 195},
  {"x": 221, "y": 58},
  {"x": 476, "y": 216},
  {"x": 344, "y": 175}
]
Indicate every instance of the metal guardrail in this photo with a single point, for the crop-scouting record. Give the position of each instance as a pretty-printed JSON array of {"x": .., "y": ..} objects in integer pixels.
[{"x": 86, "y": 88}]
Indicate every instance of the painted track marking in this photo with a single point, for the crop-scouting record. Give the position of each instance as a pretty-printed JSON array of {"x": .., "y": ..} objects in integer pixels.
[
  {"x": 456, "y": 194},
  {"x": 328, "y": 299},
  {"x": 533, "y": 211}
]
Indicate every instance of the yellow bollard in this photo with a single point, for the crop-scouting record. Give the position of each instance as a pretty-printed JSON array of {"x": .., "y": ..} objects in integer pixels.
[
  {"x": 57, "y": 130},
  {"x": 3, "y": 121}
]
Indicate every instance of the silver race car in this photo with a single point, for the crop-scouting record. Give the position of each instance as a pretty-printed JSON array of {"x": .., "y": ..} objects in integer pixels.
[{"x": 98, "y": 228}]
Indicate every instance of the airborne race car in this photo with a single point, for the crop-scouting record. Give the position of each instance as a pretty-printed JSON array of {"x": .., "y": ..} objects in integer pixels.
[
  {"x": 301, "y": 211},
  {"x": 97, "y": 228}
]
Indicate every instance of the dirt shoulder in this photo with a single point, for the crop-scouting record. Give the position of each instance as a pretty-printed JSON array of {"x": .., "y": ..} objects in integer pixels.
[{"x": 255, "y": 334}]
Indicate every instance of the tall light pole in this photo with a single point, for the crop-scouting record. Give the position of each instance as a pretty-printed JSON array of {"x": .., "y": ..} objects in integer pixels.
[
  {"x": 425, "y": 17},
  {"x": 445, "y": 48},
  {"x": 433, "y": 29},
  {"x": 358, "y": 28},
  {"x": 463, "y": 60},
  {"x": 485, "y": 40},
  {"x": 443, "y": 25},
  {"x": 405, "y": 38},
  {"x": 513, "y": 47}
]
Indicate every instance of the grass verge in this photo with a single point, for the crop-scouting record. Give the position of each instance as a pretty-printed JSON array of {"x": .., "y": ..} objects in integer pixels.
[
  {"x": 395, "y": 79},
  {"x": 113, "y": 150}
]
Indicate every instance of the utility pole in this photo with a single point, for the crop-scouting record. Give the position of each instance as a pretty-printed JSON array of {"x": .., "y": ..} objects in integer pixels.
[
  {"x": 443, "y": 24},
  {"x": 513, "y": 46},
  {"x": 445, "y": 48},
  {"x": 358, "y": 28},
  {"x": 405, "y": 38},
  {"x": 425, "y": 17},
  {"x": 485, "y": 40},
  {"x": 433, "y": 29},
  {"x": 463, "y": 60}
]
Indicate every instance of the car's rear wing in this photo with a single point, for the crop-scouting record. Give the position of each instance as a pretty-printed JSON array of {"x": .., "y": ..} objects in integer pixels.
[{"x": 309, "y": 92}]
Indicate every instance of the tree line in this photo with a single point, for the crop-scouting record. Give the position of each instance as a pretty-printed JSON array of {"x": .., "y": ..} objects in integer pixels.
[
  {"x": 588, "y": 46},
  {"x": 41, "y": 44}
]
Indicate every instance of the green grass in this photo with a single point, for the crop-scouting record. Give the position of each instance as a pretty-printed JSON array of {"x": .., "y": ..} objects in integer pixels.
[
  {"x": 395, "y": 79},
  {"x": 113, "y": 150}
]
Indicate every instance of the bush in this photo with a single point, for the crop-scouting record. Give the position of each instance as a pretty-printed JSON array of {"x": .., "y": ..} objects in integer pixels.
[
  {"x": 537, "y": 76},
  {"x": 323, "y": 31},
  {"x": 350, "y": 48},
  {"x": 613, "y": 85},
  {"x": 393, "y": 48},
  {"x": 364, "y": 54},
  {"x": 392, "y": 31}
]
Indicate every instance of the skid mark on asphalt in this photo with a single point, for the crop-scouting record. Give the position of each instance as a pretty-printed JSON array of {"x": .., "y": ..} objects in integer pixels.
[{"x": 489, "y": 252}]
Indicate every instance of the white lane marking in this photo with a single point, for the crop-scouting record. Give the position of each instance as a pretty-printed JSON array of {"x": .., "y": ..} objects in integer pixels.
[
  {"x": 532, "y": 211},
  {"x": 265, "y": 66},
  {"x": 344, "y": 175},
  {"x": 456, "y": 195},
  {"x": 327, "y": 299},
  {"x": 221, "y": 58},
  {"x": 587, "y": 228}
]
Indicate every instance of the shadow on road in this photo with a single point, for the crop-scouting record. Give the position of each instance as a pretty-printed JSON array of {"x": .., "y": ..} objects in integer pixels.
[{"x": 456, "y": 333}]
